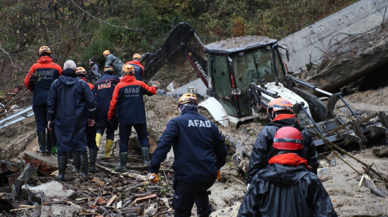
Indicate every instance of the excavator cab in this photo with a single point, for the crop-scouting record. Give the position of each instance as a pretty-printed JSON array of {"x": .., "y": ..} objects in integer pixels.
[{"x": 232, "y": 73}]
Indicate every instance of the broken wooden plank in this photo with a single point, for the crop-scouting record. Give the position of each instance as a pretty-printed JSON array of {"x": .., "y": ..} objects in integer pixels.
[
  {"x": 98, "y": 181},
  {"x": 73, "y": 204},
  {"x": 110, "y": 201},
  {"x": 130, "y": 175},
  {"x": 145, "y": 198}
]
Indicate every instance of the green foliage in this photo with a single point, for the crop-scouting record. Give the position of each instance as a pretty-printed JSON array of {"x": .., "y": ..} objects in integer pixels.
[{"x": 72, "y": 34}]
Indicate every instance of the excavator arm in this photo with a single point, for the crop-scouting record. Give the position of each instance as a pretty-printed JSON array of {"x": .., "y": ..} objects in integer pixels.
[{"x": 176, "y": 41}]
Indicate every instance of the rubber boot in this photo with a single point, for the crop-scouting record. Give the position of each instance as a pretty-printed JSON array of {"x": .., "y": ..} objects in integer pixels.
[
  {"x": 84, "y": 167},
  {"x": 42, "y": 143},
  {"x": 108, "y": 147},
  {"x": 76, "y": 161},
  {"x": 98, "y": 139},
  {"x": 62, "y": 163},
  {"x": 123, "y": 163},
  {"x": 92, "y": 159},
  {"x": 50, "y": 142},
  {"x": 146, "y": 156}
]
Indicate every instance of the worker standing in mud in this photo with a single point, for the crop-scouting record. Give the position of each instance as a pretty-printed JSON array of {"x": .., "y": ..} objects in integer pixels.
[
  {"x": 103, "y": 89},
  {"x": 199, "y": 153},
  {"x": 281, "y": 114},
  {"x": 38, "y": 80},
  {"x": 90, "y": 131},
  {"x": 128, "y": 99},
  {"x": 139, "y": 68},
  {"x": 71, "y": 107},
  {"x": 286, "y": 186},
  {"x": 113, "y": 61}
]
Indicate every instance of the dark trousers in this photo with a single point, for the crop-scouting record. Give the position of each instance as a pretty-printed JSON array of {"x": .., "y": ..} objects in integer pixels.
[
  {"x": 91, "y": 137},
  {"x": 110, "y": 128},
  {"x": 40, "y": 112},
  {"x": 186, "y": 194},
  {"x": 63, "y": 153},
  {"x": 125, "y": 133}
]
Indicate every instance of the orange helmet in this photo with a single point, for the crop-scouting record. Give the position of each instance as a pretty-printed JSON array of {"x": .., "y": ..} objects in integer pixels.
[
  {"x": 187, "y": 98},
  {"x": 109, "y": 68},
  {"x": 137, "y": 56},
  {"x": 288, "y": 138},
  {"x": 128, "y": 70},
  {"x": 44, "y": 49},
  {"x": 80, "y": 71},
  {"x": 106, "y": 52},
  {"x": 279, "y": 104}
]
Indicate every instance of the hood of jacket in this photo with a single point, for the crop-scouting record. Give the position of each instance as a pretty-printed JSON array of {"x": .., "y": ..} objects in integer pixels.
[
  {"x": 128, "y": 78},
  {"x": 69, "y": 77},
  {"x": 283, "y": 175},
  {"x": 44, "y": 59},
  {"x": 286, "y": 120}
]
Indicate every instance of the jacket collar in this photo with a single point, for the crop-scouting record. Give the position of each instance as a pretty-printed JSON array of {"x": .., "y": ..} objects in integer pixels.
[
  {"x": 45, "y": 59},
  {"x": 128, "y": 78},
  {"x": 283, "y": 116},
  {"x": 291, "y": 159}
]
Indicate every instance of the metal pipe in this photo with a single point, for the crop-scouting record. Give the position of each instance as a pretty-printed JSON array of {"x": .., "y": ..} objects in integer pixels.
[
  {"x": 350, "y": 109},
  {"x": 16, "y": 114}
]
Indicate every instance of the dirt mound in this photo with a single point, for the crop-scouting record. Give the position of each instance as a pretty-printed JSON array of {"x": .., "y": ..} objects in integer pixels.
[{"x": 370, "y": 97}]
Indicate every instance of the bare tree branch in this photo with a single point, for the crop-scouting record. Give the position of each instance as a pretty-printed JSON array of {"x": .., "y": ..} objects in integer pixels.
[
  {"x": 11, "y": 59},
  {"x": 121, "y": 27},
  {"x": 80, "y": 21}
]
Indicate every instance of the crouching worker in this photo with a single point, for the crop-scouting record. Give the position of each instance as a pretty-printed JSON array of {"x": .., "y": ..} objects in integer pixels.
[
  {"x": 90, "y": 130},
  {"x": 286, "y": 187},
  {"x": 199, "y": 153},
  {"x": 128, "y": 100},
  {"x": 71, "y": 107}
]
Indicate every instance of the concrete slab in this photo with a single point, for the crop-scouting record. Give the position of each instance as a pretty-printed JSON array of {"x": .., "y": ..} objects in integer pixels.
[
  {"x": 198, "y": 84},
  {"x": 45, "y": 164},
  {"x": 59, "y": 210},
  {"x": 51, "y": 190}
]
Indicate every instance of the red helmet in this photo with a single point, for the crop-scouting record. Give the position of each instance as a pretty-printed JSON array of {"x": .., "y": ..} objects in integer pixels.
[{"x": 288, "y": 138}]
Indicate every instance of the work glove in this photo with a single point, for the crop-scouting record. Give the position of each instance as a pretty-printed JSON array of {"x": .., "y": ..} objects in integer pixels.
[
  {"x": 156, "y": 87},
  {"x": 218, "y": 175},
  {"x": 153, "y": 178}
]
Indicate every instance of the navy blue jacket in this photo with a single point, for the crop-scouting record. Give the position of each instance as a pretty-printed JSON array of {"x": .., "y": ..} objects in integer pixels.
[
  {"x": 138, "y": 67},
  {"x": 40, "y": 77},
  {"x": 70, "y": 104},
  {"x": 103, "y": 89},
  {"x": 127, "y": 101},
  {"x": 199, "y": 149}
]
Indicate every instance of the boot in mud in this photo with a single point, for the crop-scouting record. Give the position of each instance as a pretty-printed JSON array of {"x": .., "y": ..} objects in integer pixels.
[
  {"x": 84, "y": 167},
  {"x": 92, "y": 159},
  {"x": 50, "y": 142},
  {"x": 42, "y": 142},
  {"x": 146, "y": 156},
  {"x": 76, "y": 161},
  {"x": 123, "y": 163},
  {"x": 62, "y": 163}
]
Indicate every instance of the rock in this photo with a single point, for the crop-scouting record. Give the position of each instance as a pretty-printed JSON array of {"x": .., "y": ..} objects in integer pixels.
[
  {"x": 332, "y": 155},
  {"x": 52, "y": 189},
  {"x": 59, "y": 210},
  {"x": 333, "y": 162},
  {"x": 380, "y": 151}
]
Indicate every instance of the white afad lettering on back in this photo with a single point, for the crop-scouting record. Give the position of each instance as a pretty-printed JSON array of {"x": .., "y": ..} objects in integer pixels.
[{"x": 199, "y": 123}]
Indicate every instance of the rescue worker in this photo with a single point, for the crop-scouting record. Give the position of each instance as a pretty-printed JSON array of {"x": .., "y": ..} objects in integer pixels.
[
  {"x": 199, "y": 151},
  {"x": 103, "y": 90},
  {"x": 71, "y": 107},
  {"x": 286, "y": 186},
  {"x": 280, "y": 113},
  {"x": 139, "y": 68},
  {"x": 128, "y": 99},
  {"x": 38, "y": 80},
  {"x": 94, "y": 72},
  {"x": 90, "y": 130},
  {"x": 113, "y": 61}
]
